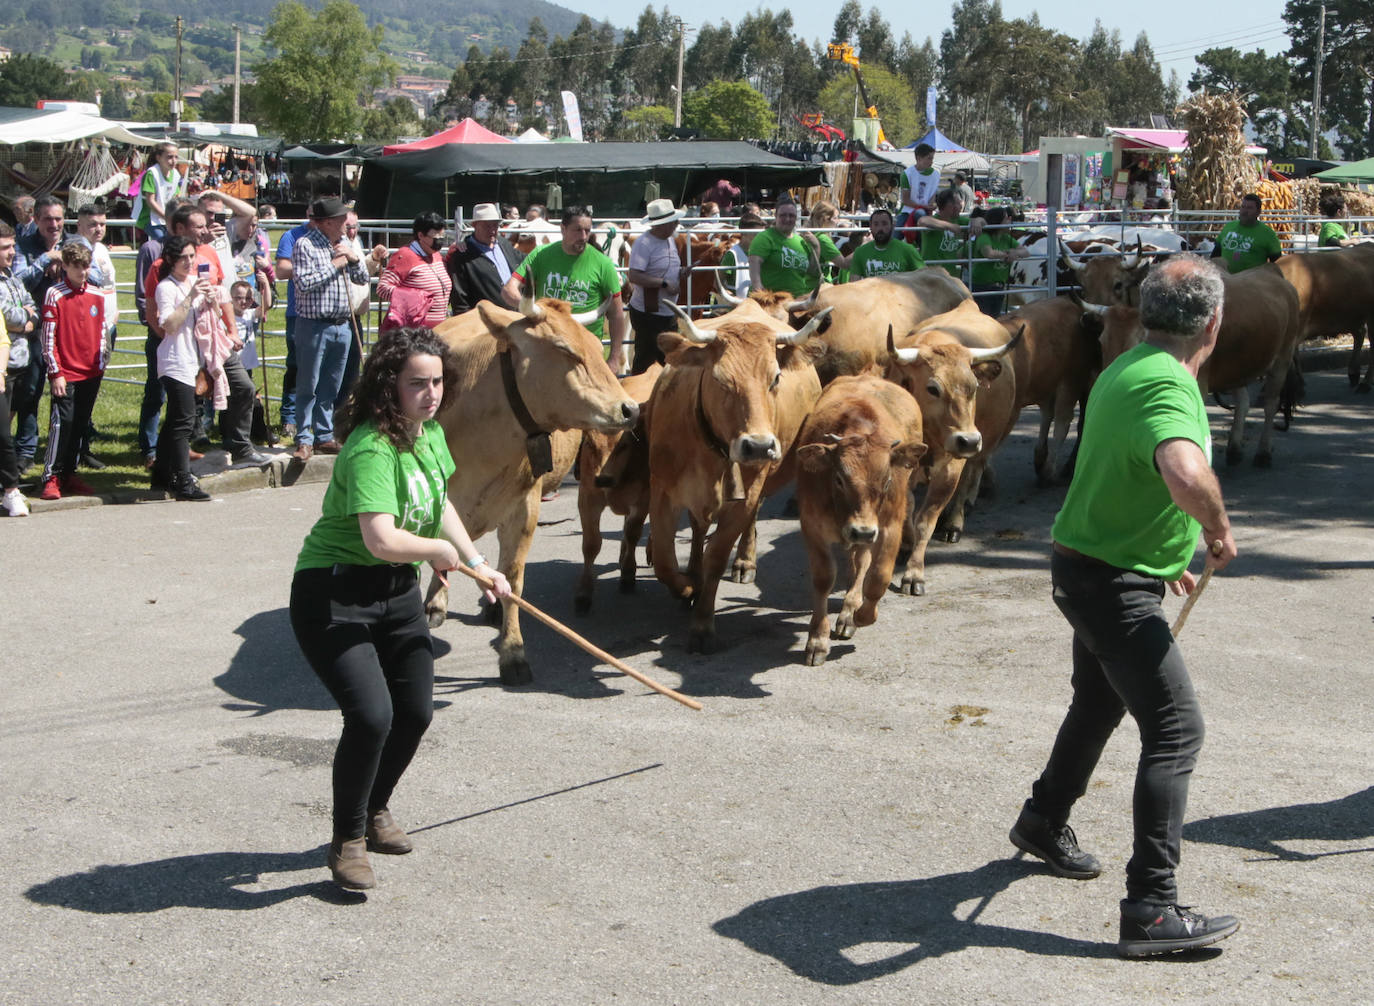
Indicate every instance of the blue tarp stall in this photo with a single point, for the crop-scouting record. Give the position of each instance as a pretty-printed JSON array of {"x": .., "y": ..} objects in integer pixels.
[
  {"x": 615, "y": 179},
  {"x": 938, "y": 140}
]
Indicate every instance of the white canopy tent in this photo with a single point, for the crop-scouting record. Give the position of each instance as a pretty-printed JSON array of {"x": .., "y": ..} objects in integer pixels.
[
  {"x": 31, "y": 125},
  {"x": 946, "y": 161}
]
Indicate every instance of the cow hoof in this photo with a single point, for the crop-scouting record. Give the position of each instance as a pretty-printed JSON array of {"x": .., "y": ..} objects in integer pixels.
[
  {"x": 913, "y": 587},
  {"x": 435, "y": 617},
  {"x": 627, "y": 584},
  {"x": 816, "y": 652},
  {"x": 515, "y": 669},
  {"x": 702, "y": 641},
  {"x": 1281, "y": 423},
  {"x": 844, "y": 628},
  {"x": 582, "y": 604},
  {"x": 1264, "y": 459},
  {"x": 1234, "y": 455},
  {"x": 491, "y": 614},
  {"x": 950, "y": 535},
  {"x": 742, "y": 573}
]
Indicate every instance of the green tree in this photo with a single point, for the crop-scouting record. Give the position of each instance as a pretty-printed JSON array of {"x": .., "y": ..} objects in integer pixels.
[
  {"x": 25, "y": 78},
  {"x": 1347, "y": 67},
  {"x": 327, "y": 65},
  {"x": 892, "y": 94},
  {"x": 218, "y": 106},
  {"x": 728, "y": 110},
  {"x": 385, "y": 123},
  {"x": 1261, "y": 82},
  {"x": 646, "y": 123}
]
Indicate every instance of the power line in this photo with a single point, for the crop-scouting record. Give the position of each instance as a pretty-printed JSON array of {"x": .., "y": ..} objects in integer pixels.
[
  {"x": 1242, "y": 38},
  {"x": 579, "y": 54},
  {"x": 1267, "y": 25}
]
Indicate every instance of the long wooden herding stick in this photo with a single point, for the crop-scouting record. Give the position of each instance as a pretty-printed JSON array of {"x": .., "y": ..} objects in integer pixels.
[
  {"x": 587, "y": 645},
  {"x": 1197, "y": 592}
]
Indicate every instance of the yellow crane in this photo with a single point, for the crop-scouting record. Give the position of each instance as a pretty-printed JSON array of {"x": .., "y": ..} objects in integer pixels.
[{"x": 844, "y": 52}]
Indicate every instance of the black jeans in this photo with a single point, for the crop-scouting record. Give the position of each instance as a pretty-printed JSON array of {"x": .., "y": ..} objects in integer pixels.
[
  {"x": 27, "y": 393},
  {"x": 363, "y": 630},
  {"x": 236, "y": 421},
  {"x": 174, "y": 442},
  {"x": 9, "y": 464},
  {"x": 1125, "y": 660},
  {"x": 67, "y": 422},
  {"x": 990, "y": 298},
  {"x": 646, "y": 328}
]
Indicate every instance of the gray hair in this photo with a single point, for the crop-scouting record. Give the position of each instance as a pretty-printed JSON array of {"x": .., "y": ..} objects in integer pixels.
[{"x": 1179, "y": 297}]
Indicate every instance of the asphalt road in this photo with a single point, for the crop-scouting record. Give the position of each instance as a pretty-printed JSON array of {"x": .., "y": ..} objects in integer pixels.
[{"x": 815, "y": 835}]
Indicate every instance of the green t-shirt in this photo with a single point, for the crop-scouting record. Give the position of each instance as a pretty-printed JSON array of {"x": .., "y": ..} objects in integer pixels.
[
  {"x": 937, "y": 244},
  {"x": 1118, "y": 508},
  {"x": 1331, "y": 233},
  {"x": 1246, "y": 247},
  {"x": 785, "y": 262},
  {"x": 372, "y": 476},
  {"x": 829, "y": 253},
  {"x": 991, "y": 272},
  {"x": 584, "y": 281},
  {"x": 895, "y": 256}
]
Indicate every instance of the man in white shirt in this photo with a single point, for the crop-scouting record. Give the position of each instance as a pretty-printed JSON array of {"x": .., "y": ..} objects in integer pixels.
[
  {"x": 922, "y": 182},
  {"x": 655, "y": 272}
]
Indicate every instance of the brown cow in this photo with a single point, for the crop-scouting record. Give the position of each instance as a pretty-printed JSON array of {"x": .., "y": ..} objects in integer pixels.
[
  {"x": 862, "y": 310},
  {"x": 561, "y": 377},
  {"x": 713, "y": 443},
  {"x": 1260, "y": 324},
  {"x": 1054, "y": 364},
  {"x": 614, "y": 472},
  {"x": 855, "y": 457},
  {"x": 952, "y": 365},
  {"x": 1109, "y": 278},
  {"x": 1335, "y": 296}
]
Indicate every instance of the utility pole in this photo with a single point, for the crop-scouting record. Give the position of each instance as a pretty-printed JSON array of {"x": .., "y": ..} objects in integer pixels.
[
  {"x": 1317, "y": 83},
  {"x": 176, "y": 84},
  {"x": 677, "y": 93},
  {"x": 238, "y": 66}
]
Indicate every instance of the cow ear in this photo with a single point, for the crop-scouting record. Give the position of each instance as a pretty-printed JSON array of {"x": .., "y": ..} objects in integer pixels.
[
  {"x": 908, "y": 454},
  {"x": 671, "y": 342},
  {"x": 814, "y": 457},
  {"x": 498, "y": 319},
  {"x": 987, "y": 371}
]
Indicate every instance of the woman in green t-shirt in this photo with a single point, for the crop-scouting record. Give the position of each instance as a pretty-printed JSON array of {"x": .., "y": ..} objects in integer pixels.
[{"x": 356, "y": 607}]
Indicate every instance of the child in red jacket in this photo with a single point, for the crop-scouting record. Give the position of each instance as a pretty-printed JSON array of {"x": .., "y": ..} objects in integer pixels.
[{"x": 76, "y": 352}]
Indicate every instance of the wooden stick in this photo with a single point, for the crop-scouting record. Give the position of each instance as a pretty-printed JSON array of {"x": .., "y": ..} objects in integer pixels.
[
  {"x": 590, "y": 647},
  {"x": 1197, "y": 592}
]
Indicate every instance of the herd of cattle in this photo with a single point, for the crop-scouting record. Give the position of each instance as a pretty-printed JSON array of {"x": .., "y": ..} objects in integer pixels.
[{"x": 857, "y": 395}]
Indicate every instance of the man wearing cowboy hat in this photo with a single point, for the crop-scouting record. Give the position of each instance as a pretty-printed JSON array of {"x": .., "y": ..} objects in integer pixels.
[
  {"x": 482, "y": 264},
  {"x": 655, "y": 270}
]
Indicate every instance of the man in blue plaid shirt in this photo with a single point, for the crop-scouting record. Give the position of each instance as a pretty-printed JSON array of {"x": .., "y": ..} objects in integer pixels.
[{"x": 322, "y": 264}]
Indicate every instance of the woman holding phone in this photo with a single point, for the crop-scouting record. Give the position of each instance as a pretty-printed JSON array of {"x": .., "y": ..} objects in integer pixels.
[{"x": 356, "y": 607}]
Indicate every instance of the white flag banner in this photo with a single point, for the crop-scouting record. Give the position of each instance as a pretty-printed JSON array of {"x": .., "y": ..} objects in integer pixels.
[{"x": 573, "y": 115}]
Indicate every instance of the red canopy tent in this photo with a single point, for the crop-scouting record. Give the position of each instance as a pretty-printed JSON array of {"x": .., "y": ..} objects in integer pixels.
[{"x": 467, "y": 131}]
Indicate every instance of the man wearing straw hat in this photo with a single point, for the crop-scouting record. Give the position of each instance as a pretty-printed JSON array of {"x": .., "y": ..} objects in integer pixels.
[
  {"x": 1142, "y": 489},
  {"x": 482, "y": 263},
  {"x": 655, "y": 271}
]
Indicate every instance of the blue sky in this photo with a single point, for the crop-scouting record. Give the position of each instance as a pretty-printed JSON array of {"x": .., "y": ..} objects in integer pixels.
[{"x": 1178, "y": 29}]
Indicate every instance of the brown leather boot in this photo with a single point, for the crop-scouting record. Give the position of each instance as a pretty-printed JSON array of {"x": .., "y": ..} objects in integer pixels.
[
  {"x": 348, "y": 862},
  {"x": 384, "y": 835}
]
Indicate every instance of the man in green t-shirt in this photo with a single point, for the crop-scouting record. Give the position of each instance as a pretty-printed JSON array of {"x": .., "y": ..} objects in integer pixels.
[
  {"x": 1245, "y": 242},
  {"x": 882, "y": 255},
  {"x": 943, "y": 234},
  {"x": 575, "y": 271},
  {"x": 993, "y": 253},
  {"x": 1142, "y": 487},
  {"x": 780, "y": 259}
]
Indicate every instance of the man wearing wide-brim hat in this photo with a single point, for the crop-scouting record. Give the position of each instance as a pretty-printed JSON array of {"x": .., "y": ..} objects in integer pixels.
[
  {"x": 482, "y": 263},
  {"x": 655, "y": 273},
  {"x": 322, "y": 265}
]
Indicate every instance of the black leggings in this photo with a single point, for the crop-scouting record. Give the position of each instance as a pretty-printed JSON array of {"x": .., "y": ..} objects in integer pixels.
[{"x": 363, "y": 630}]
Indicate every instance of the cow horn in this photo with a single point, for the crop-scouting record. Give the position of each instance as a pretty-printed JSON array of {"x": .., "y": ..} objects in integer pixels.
[
  {"x": 1132, "y": 260},
  {"x": 980, "y": 355},
  {"x": 1099, "y": 309},
  {"x": 587, "y": 317},
  {"x": 1070, "y": 261},
  {"x": 799, "y": 337},
  {"x": 689, "y": 330},
  {"x": 528, "y": 307},
  {"x": 901, "y": 355},
  {"x": 802, "y": 305},
  {"x": 725, "y": 294}
]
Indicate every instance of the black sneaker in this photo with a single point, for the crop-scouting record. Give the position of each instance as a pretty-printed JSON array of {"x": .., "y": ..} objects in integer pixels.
[
  {"x": 187, "y": 490},
  {"x": 1148, "y": 929},
  {"x": 1057, "y": 845}
]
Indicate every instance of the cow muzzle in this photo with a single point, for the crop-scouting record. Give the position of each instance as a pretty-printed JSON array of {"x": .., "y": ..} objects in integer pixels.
[
  {"x": 860, "y": 534},
  {"x": 626, "y": 415},
  {"x": 964, "y": 445},
  {"x": 755, "y": 449}
]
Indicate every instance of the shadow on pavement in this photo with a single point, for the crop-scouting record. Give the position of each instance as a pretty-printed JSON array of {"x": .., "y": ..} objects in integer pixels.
[
  {"x": 268, "y": 672},
  {"x": 1348, "y": 819},
  {"x": 210, "y": 880},
  {"x": 846, "y": 934}
]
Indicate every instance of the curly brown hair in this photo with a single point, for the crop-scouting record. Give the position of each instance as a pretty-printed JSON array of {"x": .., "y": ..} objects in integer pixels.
[{"x": 374, "y": 396}]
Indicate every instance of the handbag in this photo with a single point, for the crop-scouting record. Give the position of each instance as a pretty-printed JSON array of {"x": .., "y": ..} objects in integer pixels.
[{"x": 408, "y": 308}]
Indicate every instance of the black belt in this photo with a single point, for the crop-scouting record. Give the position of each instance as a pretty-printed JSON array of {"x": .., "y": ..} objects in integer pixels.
[{"x": 1073, "y": 553}]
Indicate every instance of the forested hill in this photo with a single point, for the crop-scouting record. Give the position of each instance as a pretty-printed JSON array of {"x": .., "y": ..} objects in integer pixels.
[{"x": 443, "y": 28}]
